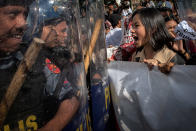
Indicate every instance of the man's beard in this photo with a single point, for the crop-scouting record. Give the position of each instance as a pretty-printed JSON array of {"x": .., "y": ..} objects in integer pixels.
[{"x": 12, "y": 34}]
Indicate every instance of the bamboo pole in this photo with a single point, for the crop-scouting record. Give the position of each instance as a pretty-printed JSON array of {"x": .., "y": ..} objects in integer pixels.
[
  {"x": 19, "y": 77},
  {"x": 92, "y": 43}
]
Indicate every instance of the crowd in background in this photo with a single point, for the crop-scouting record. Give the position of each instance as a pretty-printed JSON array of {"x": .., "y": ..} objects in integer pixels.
[{"x": 122, "y": 35}]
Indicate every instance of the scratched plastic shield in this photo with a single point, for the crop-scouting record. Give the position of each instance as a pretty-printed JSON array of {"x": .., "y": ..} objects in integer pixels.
[{"x": 45, "y": 74}]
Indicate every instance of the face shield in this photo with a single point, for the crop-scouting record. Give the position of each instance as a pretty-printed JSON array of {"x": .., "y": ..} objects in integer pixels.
[
  {"x": 53, "y": 18},
  {"x": 56, "y": 25}
]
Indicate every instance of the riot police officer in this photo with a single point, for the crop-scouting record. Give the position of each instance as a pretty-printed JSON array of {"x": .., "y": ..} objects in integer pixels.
[{"x": 48, "y": 98}]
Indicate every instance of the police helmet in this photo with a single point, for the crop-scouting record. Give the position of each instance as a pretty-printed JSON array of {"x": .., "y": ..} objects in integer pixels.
[{"x": 55, "y": 9}]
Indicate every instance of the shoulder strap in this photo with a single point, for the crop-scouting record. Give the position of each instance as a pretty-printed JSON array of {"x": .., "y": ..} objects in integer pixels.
[{"x": 60, "y": 82}]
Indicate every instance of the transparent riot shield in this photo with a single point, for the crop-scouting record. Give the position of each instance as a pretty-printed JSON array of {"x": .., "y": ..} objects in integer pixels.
[
  {"x": 95, "y": 62},
  {"x": 43, "y": 85},
  {"x": 147, "y": 100}
]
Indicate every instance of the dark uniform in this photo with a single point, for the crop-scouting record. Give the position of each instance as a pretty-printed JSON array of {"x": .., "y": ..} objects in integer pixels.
[{"x": 41, "y": 94}]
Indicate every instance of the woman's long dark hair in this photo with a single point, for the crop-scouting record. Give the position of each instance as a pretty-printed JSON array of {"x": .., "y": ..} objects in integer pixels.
[{"x": 156, "y": 32}]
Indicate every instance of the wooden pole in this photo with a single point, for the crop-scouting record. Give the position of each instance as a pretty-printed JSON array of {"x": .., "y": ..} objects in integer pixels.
[
  {"x": 92, "y": 43},
  {"x": 19, "y": 77}
]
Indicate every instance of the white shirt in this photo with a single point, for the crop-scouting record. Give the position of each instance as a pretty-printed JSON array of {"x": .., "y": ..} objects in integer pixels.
[
  {"x": 151, "y": 4},
  {"x": 126, "y": 12}
]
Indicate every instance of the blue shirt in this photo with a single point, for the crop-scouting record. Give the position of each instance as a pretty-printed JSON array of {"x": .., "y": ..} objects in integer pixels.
[{"x": 114, "y": 37}]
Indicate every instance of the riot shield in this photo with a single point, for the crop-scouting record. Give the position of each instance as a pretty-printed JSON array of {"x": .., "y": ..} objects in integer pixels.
[
  {"x": 147, "y": 100},
  {"x": 92, "y": 33},
  {"x": 43, "y": 79}
]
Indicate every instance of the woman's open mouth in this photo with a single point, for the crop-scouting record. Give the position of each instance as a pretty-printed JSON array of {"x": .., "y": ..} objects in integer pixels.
[{"x": 135, "y": 39}]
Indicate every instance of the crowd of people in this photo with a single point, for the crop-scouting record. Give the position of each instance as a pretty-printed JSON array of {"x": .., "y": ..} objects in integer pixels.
[{"x": 148, "y": 34}]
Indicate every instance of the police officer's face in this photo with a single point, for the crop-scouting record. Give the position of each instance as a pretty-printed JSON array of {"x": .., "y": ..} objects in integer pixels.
[
  {"x": 55, "y": 35},
  {"x": 61, "y": 30},
  {"x": 12, "y": 26}
]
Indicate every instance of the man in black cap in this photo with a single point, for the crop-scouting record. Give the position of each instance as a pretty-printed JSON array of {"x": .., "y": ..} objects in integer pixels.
[{"x": 113, "y": 38}]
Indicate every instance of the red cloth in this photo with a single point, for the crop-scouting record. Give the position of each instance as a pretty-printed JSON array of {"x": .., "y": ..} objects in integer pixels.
[
  {"x": 125, "y": 51},
  {"x": 192, "y": 47}
]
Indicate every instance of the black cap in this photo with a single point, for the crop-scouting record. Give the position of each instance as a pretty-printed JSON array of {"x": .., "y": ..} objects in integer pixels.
[
  {"x": 15, "y": 2},
  {"x": 114, "y": 19}
]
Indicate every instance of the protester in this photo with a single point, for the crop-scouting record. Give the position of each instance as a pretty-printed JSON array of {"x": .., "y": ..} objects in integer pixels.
[
  {"x": 165, "y": 11},
  {"x": 177, "y": 45},
  {"x": 113, "y": 38},
  {"x": 152, "y": 38},
  {"x": 127, "y": 47},
  {"x": 186, "y": 30},
  {"x": 125, "y": 8},
  {"x": 110, "y": 8}
]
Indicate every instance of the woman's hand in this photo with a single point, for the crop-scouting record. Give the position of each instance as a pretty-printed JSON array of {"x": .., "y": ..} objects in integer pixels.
[
  {"x": 166, "y": 68},
  {"x": 151, "y": 63},
  {"x": 163, "y": 67}
]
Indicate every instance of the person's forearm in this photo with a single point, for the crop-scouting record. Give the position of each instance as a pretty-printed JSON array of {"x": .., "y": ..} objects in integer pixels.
[{"x": 63, "y": 116}]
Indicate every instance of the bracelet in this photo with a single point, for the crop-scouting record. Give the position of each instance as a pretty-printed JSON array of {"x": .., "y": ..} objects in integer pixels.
[{"x": 184, "y": 53}]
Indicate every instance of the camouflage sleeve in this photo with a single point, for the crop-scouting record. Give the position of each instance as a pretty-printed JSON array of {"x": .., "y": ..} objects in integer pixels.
[
  {"x": 57, "y": 82},
  {"x": 67, "y": 91}
]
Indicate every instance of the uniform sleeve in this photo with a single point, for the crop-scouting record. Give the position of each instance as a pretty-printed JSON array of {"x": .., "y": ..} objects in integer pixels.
[{"x": 67, "y": 91}]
